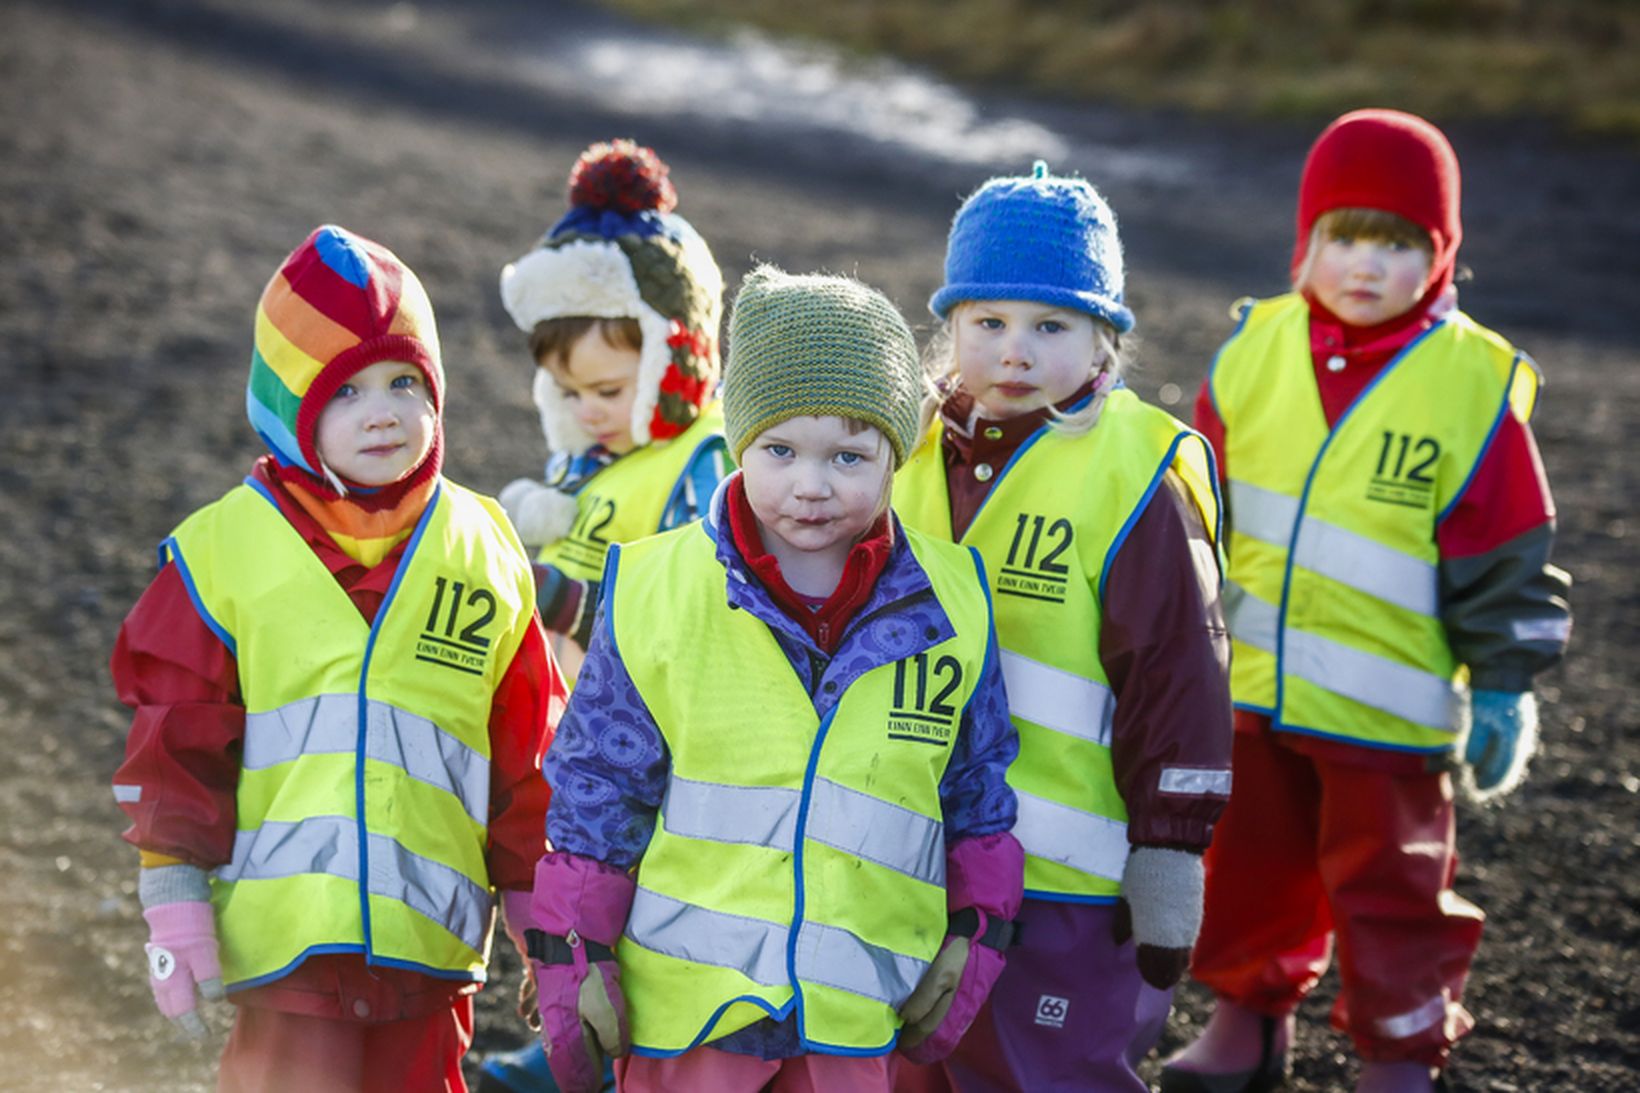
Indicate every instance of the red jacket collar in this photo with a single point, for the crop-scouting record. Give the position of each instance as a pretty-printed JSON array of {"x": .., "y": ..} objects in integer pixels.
[{"x": 864, "y": 564}]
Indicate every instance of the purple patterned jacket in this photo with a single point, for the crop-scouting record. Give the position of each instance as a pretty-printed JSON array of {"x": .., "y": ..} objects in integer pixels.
[{"x": 608, "y": 764}]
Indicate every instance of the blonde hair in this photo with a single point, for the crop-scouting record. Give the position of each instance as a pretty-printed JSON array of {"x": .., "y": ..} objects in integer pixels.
[
  {"x": 1373, "y": 225},
  {"x": 941, "y": 377}
]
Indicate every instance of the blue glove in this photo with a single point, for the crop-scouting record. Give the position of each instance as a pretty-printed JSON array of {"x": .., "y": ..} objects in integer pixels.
[{"x": 1502, "y": 737}]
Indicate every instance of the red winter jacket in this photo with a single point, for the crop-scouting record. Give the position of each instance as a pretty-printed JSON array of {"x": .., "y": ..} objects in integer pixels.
[{"x": 183, "y": 751}]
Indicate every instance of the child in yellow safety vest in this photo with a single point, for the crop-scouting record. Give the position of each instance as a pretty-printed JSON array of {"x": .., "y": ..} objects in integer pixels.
[
  {"x": 342, "y": 695},
  {"x": 1097, "y": 516},
  {"x": 780, "y": 827},
  {"x": 1390, "y": 527},
  {"x": 621, "y": 301}
]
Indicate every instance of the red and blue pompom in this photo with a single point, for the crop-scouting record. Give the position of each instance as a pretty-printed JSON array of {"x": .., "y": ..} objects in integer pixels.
[{"x": 621, "y": 176}]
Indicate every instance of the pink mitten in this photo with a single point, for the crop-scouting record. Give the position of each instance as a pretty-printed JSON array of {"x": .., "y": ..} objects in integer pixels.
[
  {"x": 182, "y": 956},
  {"x": 984, "y": 881},
  {"x": 579, "y": 910}
]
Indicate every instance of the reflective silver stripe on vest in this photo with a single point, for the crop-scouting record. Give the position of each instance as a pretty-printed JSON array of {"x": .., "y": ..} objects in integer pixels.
[
  {"x": 860, "y": 824},
  {"x": 1409, "y": 693},
  {"x": 853, "y": 822},
  {"x": 1251, "y": 620},
  {"x": 760, "y": 816},
  {"x": 834, "y": 957},
  {"x": 1262, "y": 514},
  {"x": 1367, "y": 566},
  {"x": 330, "y": 845},
  {"x": 1096, "y": 845},
  {"x": 329, "y": 725},
  {"x": 1058, "y": 700},
  {"x": 750, "y": 946},
  {"x": 1351, "y": 559}
]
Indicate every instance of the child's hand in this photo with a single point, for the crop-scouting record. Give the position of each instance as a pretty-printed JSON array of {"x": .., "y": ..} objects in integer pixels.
[
  {"x": 1503, "y": 735},
  {"x": 182, "y": 948},
  {"x": 539, "y": 513},
  {"x": 1161, "y": 968},
  {"x": 931, "y": 1001},
  {"x": 1161, "y": 908},
  {"x": 583, "y": 1012}
]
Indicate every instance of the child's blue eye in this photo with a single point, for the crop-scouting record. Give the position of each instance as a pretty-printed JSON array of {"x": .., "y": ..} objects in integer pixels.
[
  {"x": 849, "y": 459},
  {"x": 346, "y": 390},
  {"x": 404, "y": 383},
  {"x": 991, "y": 324},
  {"x": 779, "y": 451},
  {"x": 1051, "y": 326}
]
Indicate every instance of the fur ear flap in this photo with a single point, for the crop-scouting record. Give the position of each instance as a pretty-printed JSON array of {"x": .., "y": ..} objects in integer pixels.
[
  {"x": 558, "y": 425},
  {"x": 539, "y": 513}
]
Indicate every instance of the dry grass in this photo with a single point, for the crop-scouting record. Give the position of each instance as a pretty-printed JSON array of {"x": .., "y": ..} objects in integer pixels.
[{"x": 1574, "y": 62}]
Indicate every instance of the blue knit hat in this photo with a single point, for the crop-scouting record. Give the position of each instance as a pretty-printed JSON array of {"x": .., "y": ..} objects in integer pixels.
[{"x": 1042, "y": 238}]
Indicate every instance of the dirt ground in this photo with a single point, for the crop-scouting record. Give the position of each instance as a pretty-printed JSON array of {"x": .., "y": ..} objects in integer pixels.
[{"x": 159, "y": 157}]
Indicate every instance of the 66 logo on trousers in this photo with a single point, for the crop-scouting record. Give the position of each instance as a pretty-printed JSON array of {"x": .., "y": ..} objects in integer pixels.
[{"x": 1050, "y": 1010}]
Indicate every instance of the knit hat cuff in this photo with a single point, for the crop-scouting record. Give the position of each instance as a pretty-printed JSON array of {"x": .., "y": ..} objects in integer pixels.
[
  {"x": 1104, "y": 308},
  {"x": 757, "y": 428},
  {"x": 347, "y": 364}
]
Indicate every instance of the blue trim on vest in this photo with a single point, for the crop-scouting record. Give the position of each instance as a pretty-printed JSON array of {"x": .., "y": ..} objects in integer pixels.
[
  {"x": 364, "y": 716},
  {"x": 711, "y": 1023},
  {"x": 606, "y": 595},
  {"x": 1266, "y": 711},
  {"x": 336, "y": 948},
  {"x": 800, "y": 895},
  {"x": 1376, "y": 745},
  {"x": 820, "y": 1048},
  {"x": 1304, "y": 501},
  {"x": 1213, "y": 367},
  {"x": 991, "y": 640},
  {"x": 1013, "y": 460},
  {"x": 1491, "y": 434},
  {"x": 1218, "y": 500},
  {"x": 261, "y": 488},
  {"x": 702, "y": 473},
  {"x": 1133, "y": 517},
  {"x": 301, "y": 958},
  {"x": 174, "y": 550},
  {"x": 1066, "y": 897}
]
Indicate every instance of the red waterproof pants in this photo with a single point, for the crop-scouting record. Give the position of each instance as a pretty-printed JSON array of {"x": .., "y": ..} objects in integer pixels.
[
  {"x": 1311, "y": 849},
  {"x": 270, "y": 1051},
  {"x": 707, "y": 1068}
]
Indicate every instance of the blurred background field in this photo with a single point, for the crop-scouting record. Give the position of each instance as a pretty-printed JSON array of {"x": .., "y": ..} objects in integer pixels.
[{"x": 1573, "y": 62}]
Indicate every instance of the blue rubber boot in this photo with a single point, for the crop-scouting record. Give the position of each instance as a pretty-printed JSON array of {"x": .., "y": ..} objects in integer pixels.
[{"x": 526, "y": 1071}]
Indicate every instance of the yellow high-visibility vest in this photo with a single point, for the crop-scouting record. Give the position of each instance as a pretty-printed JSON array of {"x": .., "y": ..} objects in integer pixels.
[
  {"x": 627, "y": 499},
  {"x": 364, "y": 789},
  {"x": 797, "y": 864},
  {"x": 1048, "y": 530},
  {"x": 1333, "y": 593}
]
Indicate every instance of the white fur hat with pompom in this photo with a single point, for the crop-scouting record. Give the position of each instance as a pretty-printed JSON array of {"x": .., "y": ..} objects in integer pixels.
[{"x": 621, "y": 252}]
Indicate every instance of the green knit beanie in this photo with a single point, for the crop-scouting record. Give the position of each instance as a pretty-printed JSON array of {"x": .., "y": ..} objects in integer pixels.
[{"x": 811, "y": 344}]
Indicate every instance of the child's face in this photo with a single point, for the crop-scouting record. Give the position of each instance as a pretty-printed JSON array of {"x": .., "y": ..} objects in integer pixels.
[
  {"x": 1015, "y": 356},
  {"x": 379, "y": 425},
  {"x": 1367, "y": 281},
  {"x": 600, "y": 381},
  {"x": 815, "y": 485}
]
